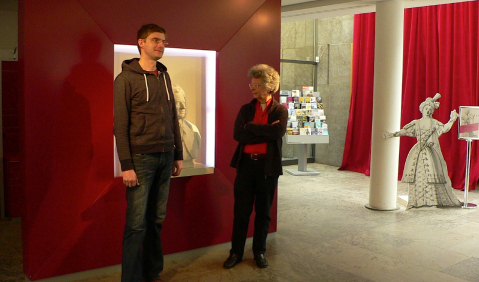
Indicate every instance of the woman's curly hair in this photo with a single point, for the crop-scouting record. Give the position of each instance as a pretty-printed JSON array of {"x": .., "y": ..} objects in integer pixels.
[{"x": 269, "y": 75}]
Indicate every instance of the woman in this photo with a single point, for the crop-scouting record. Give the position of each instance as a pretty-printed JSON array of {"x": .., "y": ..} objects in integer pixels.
[
  {"x": 259, "y": 128},
  {"x": 425, "y": 169}
]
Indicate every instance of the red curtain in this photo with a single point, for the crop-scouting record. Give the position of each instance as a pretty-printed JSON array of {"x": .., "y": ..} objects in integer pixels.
[{"x": 440, "y": 56}]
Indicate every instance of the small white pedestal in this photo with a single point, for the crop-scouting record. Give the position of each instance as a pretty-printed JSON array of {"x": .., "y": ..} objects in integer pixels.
[
  {"x": 196, "y": 169},
  {"x": 403, "y": 199},
  {"x": 303, "y": 141}
]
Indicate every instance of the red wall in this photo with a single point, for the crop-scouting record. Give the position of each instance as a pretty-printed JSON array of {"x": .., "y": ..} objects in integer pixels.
[{"x": 74, "y": 209}]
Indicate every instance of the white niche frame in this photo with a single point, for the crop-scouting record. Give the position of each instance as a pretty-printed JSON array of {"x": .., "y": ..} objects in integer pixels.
[{"x": 195, "y": 72}]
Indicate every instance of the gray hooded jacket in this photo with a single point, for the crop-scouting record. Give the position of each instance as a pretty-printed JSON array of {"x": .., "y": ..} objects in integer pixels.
[{"x": 145, "y": 113}]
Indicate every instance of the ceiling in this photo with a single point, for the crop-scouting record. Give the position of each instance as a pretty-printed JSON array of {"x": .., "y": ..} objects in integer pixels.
[{"x": 300, "y": 10}]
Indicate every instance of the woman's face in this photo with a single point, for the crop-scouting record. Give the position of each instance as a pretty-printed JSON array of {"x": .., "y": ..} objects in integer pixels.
[
  {"x": 260, "y": 92},
  {"x": 427, "y": 111}
]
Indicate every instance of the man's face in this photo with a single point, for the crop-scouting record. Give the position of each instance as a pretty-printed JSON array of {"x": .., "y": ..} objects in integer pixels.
[
  {"x": 153, "y": 46},
  {"x": 180, "y": 103}
]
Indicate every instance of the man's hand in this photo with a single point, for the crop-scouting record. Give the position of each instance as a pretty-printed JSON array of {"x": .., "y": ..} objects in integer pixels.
[
  {"x": 129, "y": 178},
  {"x": 177, "y": 167}
]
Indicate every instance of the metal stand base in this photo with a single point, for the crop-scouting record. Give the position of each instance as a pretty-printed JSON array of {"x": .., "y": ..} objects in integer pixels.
[
  {"x": 376, "y": 209},
  {"x": 469, "y": 206},
  {"x": 466, "y": 204},
  {"x": 308, "y": 171},
  {"x": 302, "y": 163}
]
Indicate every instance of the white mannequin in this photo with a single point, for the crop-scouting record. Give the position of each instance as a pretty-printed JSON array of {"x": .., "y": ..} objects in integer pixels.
[{"x": 190, "y": 134}]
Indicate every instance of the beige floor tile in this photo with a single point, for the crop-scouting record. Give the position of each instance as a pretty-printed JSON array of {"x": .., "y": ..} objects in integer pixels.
[{"x": 326, "y": 234}]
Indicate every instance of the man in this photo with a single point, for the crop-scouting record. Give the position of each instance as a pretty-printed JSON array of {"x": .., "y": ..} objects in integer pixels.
[{"x": 150, "y": 151}]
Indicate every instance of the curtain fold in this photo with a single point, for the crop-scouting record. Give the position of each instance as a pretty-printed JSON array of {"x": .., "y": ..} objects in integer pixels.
[
  {"x": 440, "y": 56},
  {"x": 358, "y": 135}
]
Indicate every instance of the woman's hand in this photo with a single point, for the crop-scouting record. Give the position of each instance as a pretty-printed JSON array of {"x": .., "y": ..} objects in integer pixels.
[
  {"x": 454, "y": 115},
  {"x": 387, "y": 135}
]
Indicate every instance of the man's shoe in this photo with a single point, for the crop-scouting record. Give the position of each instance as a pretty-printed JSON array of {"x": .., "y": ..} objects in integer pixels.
[
  {"x": 261, "y": 260},
  {"x": 231, "y": 261}
]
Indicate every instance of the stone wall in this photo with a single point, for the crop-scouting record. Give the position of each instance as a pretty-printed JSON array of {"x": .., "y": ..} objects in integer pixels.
[{"x": 334, "y": 49}]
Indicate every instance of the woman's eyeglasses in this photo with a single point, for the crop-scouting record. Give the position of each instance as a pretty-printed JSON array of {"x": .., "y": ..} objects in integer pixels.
[{"x": 254, "y": 86}]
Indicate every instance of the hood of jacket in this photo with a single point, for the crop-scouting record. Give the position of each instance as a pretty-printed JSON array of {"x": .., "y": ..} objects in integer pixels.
[{"x": 133, "y": 65}]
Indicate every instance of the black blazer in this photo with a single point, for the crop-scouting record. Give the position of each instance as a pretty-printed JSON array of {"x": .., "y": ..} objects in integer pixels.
[{"x": 247, "y": 132}]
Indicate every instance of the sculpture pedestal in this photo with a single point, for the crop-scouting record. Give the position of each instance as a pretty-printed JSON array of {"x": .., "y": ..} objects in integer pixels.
[{"x": 196, "y": 169}]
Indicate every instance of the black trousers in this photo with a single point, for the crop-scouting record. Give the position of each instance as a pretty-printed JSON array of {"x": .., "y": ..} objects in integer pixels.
[{"x": 252, "y": 187}]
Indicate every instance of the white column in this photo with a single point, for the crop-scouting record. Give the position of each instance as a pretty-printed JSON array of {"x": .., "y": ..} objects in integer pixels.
[{"x": 386, "y": 104}]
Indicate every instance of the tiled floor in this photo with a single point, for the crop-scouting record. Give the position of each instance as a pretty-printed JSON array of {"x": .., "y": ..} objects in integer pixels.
[{"x": 326, "y": 234}]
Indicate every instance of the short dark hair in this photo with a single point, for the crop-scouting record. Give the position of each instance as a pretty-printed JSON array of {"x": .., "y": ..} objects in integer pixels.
[{"x": 148, "y": 29}]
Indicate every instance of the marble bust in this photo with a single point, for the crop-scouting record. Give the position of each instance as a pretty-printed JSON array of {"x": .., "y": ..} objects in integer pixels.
[{"x": 190, "y": 134}]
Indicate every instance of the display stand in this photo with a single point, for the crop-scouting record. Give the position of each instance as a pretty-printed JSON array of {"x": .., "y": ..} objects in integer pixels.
[
  {"x": 468, "y": 130},
  {"x": 302, "y": 141},
  {"x": 466, "y": 204}
]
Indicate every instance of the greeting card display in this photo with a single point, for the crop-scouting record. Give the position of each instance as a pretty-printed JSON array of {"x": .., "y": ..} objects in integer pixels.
[{"x": 305, "y": 112}]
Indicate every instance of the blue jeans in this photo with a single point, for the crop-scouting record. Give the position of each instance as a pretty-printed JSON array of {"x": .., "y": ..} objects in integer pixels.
[{"x": 146, "y": 209}]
